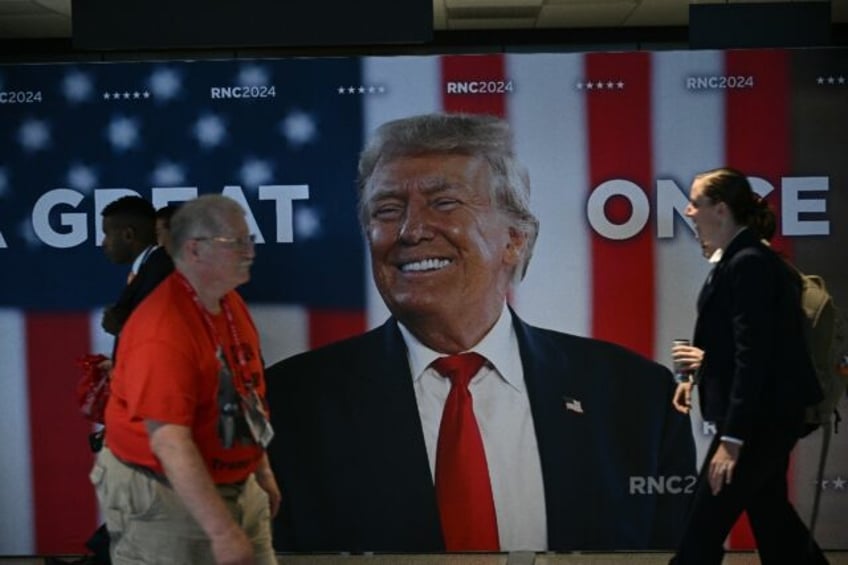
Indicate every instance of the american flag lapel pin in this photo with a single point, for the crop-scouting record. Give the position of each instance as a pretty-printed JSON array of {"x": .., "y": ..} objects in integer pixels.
[{"x": 572, "y": 404}]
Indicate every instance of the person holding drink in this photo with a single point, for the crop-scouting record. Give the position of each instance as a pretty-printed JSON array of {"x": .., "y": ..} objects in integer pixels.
[
  {"x": 754, "y": 374},
  {"x": 686, "y": 360}
]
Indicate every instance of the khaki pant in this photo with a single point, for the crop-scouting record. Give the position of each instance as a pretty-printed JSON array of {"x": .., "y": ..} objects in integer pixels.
[{"x": 149, "y": 524}]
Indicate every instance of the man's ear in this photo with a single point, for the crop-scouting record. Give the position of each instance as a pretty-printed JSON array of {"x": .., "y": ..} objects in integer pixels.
[
  {"x": 515, "y": 245},
  {"x": 191, "y": 249},
  {"x": 128, "y": 233}
]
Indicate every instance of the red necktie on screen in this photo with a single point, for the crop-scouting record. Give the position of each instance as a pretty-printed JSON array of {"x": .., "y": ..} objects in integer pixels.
[{"x": 463, "y": 489}]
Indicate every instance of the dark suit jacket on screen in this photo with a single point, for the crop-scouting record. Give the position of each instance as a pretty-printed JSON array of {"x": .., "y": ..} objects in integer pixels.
[
  {"x": 351, "y": 462},
  {"x": 756, "y": 369}
]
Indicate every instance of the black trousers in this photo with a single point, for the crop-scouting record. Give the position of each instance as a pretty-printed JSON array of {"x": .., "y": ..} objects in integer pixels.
[{"x": 759, "y": 488}]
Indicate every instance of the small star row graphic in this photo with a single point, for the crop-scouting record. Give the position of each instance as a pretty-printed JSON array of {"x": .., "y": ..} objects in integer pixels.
[
  {"x": 362, "y": 89},
  {"x": 837, "y": 484},
  {"x": 832, "y": 81},
  {"x": 600, "y": 85},
  {"x": 134, "y": 95}
]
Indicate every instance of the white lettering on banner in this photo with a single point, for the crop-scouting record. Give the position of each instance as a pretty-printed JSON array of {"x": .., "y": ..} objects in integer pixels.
[
  {"x": 792, "y": 187},
  {"x": 237, "y": 194},
  {"x": 162, "y": 196},
  {"x": 20, "y": 97},
  {"x": 76, "y": 223},
  {"x": 256, "y": 91},
  {"x": 663, "y": 485},
  {"x": 283, "y": 195},
  {"x": 671, "y": 201},
  {"x": 74, "y": 220},
  {"x": 801, "y": 213},
  {"x": 719, "y": 82},
  {"x": 640, "y": 209},
  {"x": 479, "y": 87}
]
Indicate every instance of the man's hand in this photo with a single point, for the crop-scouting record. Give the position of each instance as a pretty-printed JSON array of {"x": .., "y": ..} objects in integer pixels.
[
  {"x": 682, "y": 400},
  {"x": 105, "y": 365},
  {"x": 111, "y": 321},
  {"x": 265, "y": 477},
  {"x": 232, "y": 548},
  {"x": 723, "y": 464}
]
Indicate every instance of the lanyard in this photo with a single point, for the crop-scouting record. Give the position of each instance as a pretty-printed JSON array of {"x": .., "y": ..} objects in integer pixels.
[{"x": 213, "y": 332}]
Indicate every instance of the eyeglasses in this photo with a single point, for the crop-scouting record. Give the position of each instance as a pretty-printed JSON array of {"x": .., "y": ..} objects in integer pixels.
[{"x": 235, "y": 242}]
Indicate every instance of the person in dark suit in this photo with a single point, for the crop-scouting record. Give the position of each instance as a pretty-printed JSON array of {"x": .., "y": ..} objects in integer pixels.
[
  {"x": 573, "y": 429},
  {"x": 129, "y": 228},
  {"x": 129, "y": 238},
  {"x": 754, "y": 376}
]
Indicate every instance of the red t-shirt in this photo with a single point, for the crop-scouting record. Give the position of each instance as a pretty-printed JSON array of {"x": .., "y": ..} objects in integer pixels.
[{"x": 167, "y": 371}]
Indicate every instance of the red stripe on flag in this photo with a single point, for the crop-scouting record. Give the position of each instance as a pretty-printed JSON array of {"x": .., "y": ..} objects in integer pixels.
[
  {"x": 327, "y": 326},
  {"x": 63, "y": 498},
  {"x": 759, "y": 144},
  {"x": 759, "y": 122},
  {"x": 619, "y": 130},
  {"x": 463, "y": 73}
]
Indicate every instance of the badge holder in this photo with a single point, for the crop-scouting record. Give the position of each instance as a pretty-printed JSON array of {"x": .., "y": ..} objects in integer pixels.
[{"x": 257, "y": 418}]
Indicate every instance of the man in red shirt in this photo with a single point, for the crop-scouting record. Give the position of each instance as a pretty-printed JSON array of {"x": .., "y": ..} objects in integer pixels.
[{"x": 184, "y": 477}]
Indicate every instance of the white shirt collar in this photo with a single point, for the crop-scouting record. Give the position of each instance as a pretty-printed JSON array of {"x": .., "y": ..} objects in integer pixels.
[
  {"x": 499, "y": 346},
  {"x": 141, "y": 258},
  {"x": 716, "y": 256},
  {"x": 718, "y": 253}
]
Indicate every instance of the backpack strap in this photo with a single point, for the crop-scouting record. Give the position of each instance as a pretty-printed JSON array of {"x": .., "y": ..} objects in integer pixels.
[{"x": 827, "y": 430}]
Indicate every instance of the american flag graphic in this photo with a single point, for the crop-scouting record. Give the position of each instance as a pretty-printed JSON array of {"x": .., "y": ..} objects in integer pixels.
[{"x": 611, "y": 141}]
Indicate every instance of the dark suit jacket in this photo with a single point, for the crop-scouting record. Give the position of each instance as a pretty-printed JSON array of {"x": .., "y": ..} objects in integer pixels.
[
  {"x": 350, "y": 458},
  {"x": 153, "y": 271},
  {"x": 756, "y": 369}
]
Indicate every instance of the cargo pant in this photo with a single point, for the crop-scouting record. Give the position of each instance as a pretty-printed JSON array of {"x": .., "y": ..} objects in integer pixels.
[{"x": 149, "y": 524}]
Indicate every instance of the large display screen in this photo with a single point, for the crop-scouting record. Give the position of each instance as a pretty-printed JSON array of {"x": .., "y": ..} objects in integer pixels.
[{"x": 612, "y": 141}]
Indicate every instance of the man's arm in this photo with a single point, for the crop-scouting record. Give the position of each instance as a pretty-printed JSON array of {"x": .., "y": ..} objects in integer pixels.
[{"x": 191, "y": 481}]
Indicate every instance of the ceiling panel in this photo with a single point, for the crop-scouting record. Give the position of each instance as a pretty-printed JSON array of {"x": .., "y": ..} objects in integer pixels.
[
  {"x": 20, "y": 7},
  {"x": 491, "y": 23},
  {"x": 52, "y": 18},
  {"x": 652, "y": 11},
  {"x": 34, "y": 26},
  {"x": 601, "y": 14}
]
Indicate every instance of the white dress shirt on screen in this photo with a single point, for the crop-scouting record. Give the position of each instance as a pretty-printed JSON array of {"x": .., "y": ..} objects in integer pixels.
[{"x": 502, "y": 409}]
